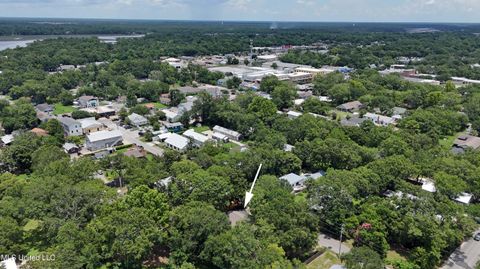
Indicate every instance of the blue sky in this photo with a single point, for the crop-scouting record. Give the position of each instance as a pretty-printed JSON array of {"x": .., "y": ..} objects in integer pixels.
[{"x": 263, "y": 10}]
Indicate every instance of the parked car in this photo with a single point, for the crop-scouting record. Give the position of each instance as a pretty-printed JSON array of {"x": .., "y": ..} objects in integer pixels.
[{"x": 477, "y": 237}]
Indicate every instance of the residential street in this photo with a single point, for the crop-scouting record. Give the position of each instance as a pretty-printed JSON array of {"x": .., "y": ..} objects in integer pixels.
[
  {"x": 332, "y": 243},
  {"x": 464, "y": 257}
]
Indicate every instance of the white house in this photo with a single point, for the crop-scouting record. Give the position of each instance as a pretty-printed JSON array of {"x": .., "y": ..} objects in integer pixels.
[
  {"x": 172, "y": 114},
  {"x": 70, "y": 126},
  {"x": 137, "y": 120},
  {"x": 380, "y": 119},
  {"x": 220, "y": 137},
  {"x": 464, "y": 198},
  {"x": 296, "y": 181},
  {"x": 103, "y": 139},
  {"x": 175, "y": 141},
  {"x": 197, "y": 138},
  {"x": 293, "y": 114},
  {"x": 227, "y": 132}
]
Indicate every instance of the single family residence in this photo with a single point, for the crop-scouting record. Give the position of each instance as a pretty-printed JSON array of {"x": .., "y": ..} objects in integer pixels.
[
  {"x": 350, "y": 106},
  {"x": 87, "y": 101},
  {"x": 137, "y": 120},
  {"x": 197, "y": 139},
  {"x": 233, "y": 135},
  {"x": 70, "y": 126},
  {"x": 175, "y": 141}
]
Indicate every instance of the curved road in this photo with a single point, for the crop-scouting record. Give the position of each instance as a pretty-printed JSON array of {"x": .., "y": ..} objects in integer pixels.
[{"x": 464, "y": 257}]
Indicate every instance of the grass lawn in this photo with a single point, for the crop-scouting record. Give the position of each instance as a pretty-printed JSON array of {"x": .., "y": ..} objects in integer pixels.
[
  {"x": 61, "y": 109},
  {"x": 447, "y": 142},
  {"x": 301, "y": 197},
  {"x": 31, "y": 225},
  {"x": 393, "y": 255},
  {"x": 325, "y": 261},
  {"x": 159, "y": 105},
  {"x": 121, "y": 151},
  {"x": 201, "y": 129},
  {"x": 231, "y": 146},
  {"x": 340, "y": 114}
]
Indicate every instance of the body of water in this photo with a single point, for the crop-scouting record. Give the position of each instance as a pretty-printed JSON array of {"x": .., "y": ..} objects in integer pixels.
[
  {"x": 11, "y": 44},
  {"x": 24, "y": 41}
]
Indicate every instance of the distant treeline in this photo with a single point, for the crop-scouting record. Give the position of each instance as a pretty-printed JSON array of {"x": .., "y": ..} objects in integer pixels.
[{"x": 39, "y": 26}]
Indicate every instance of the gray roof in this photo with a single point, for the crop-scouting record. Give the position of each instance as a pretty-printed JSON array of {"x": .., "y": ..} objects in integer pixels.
[
  {"x": 68, "y": 121},
  {"x": 353, "y": 121},
  {"x": 177, "y": 141},
  {"x": 44, "y": 107},
  {"x": 86, "y": 98},
  {"x": 316, "y": 175},
  {"x": 69, "y": 146},
  {"x": 224, "y": 130},
  {"x": 134, "y": 117},
  {"x": 89, "y": 123},
  {"x": 467, "y": 141},
  {"x": 104, "y": 135},
  {"x": 292, "y": 178},
  {"x": 351, "y": 105},
  {"x": 196, "y": 136},
  {"x": 7, "y": 139},
  {"x": 399, "y": 110}
]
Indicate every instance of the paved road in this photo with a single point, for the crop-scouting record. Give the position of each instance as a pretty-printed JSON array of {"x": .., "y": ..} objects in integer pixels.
[
  {"x": 332, "y": 243},
  {"x": 464, "y": 257}
]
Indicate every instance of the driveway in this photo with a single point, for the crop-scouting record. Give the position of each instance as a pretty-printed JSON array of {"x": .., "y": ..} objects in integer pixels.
[
  {"x": 133, "y": 138},
  {"x": 332, "y": 243},
  {"x": 464, "y": 257}
]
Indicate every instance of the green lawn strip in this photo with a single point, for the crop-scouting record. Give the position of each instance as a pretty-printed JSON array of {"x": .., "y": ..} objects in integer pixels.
[
  {"x": 324, "y": 261},
  {"x": 201, "y": 129},
  {"x": 61, "y": 109}
]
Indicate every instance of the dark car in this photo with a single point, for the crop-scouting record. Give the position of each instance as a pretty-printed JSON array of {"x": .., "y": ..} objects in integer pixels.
[{"x": 477, "y": 237}]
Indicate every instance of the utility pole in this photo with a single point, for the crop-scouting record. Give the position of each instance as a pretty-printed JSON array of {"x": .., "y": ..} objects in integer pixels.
[{"x": 340, "y": 246}]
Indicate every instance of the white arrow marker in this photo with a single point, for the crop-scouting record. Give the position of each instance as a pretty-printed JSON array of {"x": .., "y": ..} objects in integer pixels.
[{"x": 249, "y": 194}]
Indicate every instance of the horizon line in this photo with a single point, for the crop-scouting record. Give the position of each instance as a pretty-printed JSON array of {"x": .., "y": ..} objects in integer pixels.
[{"x": 239, "y": 20}]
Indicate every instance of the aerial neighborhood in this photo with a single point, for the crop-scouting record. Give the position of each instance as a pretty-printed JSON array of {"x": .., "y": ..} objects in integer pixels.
[{"x": 234, "y": 145}]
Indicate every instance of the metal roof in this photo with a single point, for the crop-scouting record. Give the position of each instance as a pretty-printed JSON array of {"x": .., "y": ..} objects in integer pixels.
[
  {"x": 104, "y": 135},
  {"x": 196, "y": 136},
  {"x": 292, "y": 178},
  {"x": 177, "y": 141}
]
